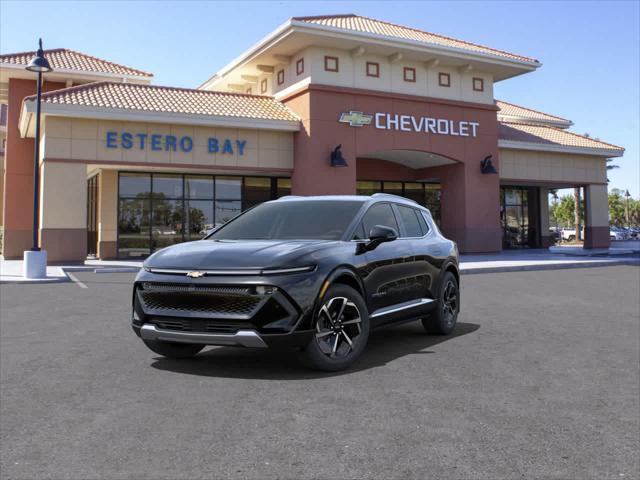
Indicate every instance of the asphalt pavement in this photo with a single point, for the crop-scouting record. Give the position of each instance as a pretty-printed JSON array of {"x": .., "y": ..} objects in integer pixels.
[{"x": 540, "y": 380}]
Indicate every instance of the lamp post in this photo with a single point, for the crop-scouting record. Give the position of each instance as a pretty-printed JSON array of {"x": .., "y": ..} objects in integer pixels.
[
  {"x": 626, "y": 208},
  {"x": 35, "y": 260}
]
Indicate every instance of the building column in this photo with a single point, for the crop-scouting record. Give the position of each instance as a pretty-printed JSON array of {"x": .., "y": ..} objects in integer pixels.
[
  {"x": 107, "y": 214},
  {"x": 546, "y": 240},
  {"x": 312, "y": 170},
  {"x": 18, "y": 173},
  {"x": 63, "y": 211},
  {"x": 596, "y": 216}
]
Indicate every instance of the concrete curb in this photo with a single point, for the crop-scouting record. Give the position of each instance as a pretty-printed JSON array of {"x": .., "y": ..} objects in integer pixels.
[{"x": 553, "y": 266}]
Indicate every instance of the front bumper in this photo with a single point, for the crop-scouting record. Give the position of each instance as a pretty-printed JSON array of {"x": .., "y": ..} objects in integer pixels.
[
  {"x": 241, "y": 338},
  {"x": 238, "y": 311}
]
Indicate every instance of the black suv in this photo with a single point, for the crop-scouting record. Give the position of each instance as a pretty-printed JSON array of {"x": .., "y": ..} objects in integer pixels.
[{"x": 314, "y": 273}]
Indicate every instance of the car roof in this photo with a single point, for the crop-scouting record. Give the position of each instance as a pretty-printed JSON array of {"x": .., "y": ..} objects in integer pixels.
[{"x": 376, "y": 197}]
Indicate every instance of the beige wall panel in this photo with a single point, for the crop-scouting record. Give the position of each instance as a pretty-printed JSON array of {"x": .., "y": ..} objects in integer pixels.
[
  {"x": 63, "y": 195},
  {"x": 549, "y": 166},
  {"x": 250, "y": 158},
  {"x": 57, "y": 147},
  {"x": 109, "y": 154},
  {"x": 83, "y": 149},
  {"x": 58, "y": 127},
  {"x": 86, "y": 129},
  {"x": 268, "y": 140},
  {"x": 598, "y": 214},
  {"x": 108, "y": 206}
]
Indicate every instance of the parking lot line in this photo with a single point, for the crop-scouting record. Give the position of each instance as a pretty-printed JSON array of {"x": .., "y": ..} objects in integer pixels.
[{"x": 75, "y": 280}]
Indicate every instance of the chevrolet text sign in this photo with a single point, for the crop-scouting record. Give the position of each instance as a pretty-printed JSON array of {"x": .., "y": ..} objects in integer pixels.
[{"x": 410, "y": 123}]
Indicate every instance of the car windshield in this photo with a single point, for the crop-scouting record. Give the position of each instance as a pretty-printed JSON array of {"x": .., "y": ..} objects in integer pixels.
[{"x": 291, "y": 219}]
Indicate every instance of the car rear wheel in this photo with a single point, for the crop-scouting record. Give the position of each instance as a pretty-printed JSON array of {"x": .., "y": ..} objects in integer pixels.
[
  {"x": 341, "y": 330},
  {"x": 443, "y": 319},
  {"x": 173, "y": 349}
]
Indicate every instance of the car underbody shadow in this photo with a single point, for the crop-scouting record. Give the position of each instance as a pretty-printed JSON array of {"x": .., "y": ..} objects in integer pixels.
[{"x": 385, "y": 345}]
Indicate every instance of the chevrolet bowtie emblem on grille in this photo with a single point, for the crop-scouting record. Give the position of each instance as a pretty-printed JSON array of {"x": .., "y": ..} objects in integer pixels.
[
  {"x": 356, "y": 119},
  {"x": 196, "y": 274}
]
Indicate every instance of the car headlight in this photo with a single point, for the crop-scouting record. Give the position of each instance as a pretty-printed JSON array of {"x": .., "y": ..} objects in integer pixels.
[{"x": 280, "y": 271}]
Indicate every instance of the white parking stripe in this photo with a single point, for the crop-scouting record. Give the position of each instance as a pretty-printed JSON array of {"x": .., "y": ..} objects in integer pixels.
[{"x": 75, "y": 280}]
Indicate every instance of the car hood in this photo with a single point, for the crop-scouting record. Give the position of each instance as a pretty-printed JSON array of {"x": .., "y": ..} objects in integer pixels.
[{"x": 228, "y": 254}]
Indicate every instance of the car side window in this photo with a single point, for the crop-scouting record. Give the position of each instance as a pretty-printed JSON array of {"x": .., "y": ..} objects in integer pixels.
[
  {"x": 423, "y": 223},
  {"x": 359, "y": 233},
  {"x": 379, "y": 214},
  {"x": 410, "y": 221}
]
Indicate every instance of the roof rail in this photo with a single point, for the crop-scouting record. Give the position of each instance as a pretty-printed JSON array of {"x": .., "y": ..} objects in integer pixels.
[
  {"x": 399, "y": 197},
  {"x": 288, "y": 196}
]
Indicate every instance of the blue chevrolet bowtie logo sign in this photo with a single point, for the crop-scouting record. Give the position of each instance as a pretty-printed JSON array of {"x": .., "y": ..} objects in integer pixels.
[{"x": 355, "y": 119}]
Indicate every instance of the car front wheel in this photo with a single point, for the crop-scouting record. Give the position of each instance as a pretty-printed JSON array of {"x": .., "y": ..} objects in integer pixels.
[
  {"x": 443, "y": 319},
  {"x": 341, "y": 330}
]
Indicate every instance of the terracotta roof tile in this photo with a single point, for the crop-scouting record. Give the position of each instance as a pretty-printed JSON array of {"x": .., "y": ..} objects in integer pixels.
[
  {"x": 513, "y": 110},
  {"x": 65, "y": 59},
  {"x": 517, "y": 132},
  {"x": 379, "y": 27},
  {"x": 152, "y": 98}
]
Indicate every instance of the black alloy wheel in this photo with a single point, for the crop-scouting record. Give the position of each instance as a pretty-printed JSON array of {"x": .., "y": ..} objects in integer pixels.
[
  {"x": 443, "y": 319},
  {"x": 341, "y": 330}
]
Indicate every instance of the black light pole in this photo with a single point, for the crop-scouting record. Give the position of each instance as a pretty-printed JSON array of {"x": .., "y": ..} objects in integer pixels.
[{"x": 40, "y": 65}]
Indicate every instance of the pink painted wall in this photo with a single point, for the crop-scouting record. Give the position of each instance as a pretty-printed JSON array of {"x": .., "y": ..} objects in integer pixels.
[{"x": 470, "y": 200}]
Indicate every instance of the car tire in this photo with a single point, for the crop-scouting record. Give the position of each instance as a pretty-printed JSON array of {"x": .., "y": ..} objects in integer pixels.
[
  {"x": 443, "y": 319},
  {"x": 173, "y": 349},
  {"x": 341, "y": 327},
  {"x": 571, "y": 238}
]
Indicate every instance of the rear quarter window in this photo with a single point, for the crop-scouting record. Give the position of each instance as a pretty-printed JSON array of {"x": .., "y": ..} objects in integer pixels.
[{"x": 411, "y": 221}]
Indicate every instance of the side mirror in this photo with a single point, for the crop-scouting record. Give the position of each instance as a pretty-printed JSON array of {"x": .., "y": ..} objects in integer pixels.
[{"x": 380, "y": 234}]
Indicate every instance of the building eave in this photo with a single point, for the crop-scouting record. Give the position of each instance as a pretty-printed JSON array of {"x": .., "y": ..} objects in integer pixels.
[
  {"x": 296, "y": 26},
  {"x": 129, "y": 115},
  {"x": 541, "y": 147},
  {"x": 532, "y": 121},
  {"x": 82, "y": 73}
]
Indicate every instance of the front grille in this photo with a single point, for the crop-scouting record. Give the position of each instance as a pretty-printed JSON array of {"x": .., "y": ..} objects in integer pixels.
[
  {"x": 204, "y": 301},
  {"x": 192, "y": 325}
]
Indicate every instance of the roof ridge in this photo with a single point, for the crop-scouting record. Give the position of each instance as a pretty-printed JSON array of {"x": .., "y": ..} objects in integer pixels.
[
  {"x": 316, "y": 17},
  {"x": 428, "y": 33},
  {"x": 534, "y": 110},
  {"x": 69, "y": 50},
  {"x": 30, "y": 52},
  {"x": 562, "y": 130},
  {"x": 148, "y": 74}
]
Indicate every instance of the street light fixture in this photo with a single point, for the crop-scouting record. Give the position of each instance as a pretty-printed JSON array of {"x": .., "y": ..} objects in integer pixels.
[
  {"x": 35, "y": 260},
  {"x": 626, "y": 208}
]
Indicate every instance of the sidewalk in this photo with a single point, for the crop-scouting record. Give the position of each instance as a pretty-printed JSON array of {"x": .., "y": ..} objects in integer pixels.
[{"x": 506, "y": 261}]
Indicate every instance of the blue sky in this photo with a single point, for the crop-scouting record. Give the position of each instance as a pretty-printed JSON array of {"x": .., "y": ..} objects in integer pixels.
[{"x": 589, "y": 50}]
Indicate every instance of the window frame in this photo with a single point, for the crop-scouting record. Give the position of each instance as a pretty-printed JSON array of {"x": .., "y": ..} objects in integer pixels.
[
  {"x": 407, "y": 70},
  {"x": 403, "y": 233},
  {"x": 377, "y": 67},
  {"x": 300, "y": 66},
  {"x": 364, "y": 214},
  {"x": 444, "y": 75},
  {"x": 480, "y": 82},
  {"x": 280, "y": 76},
  {"x": 263, "y": 85},
  {"x": 327, "y": 59}
]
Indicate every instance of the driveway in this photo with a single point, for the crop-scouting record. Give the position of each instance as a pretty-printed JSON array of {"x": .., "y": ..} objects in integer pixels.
[{"x": 541, "y": 379}]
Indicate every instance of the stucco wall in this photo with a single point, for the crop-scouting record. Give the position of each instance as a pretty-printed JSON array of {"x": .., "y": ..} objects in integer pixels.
[
  {"x": 85, "y": 140},
  {"x": 551, "y": 167},
  {"x": 352, "y": 73}
]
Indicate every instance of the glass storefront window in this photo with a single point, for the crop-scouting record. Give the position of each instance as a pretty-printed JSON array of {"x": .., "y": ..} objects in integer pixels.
[
  {"x": 135, "y": 185},
  {"x": 519, "y": 219},
  {"x": 226, "y": 210},
  {"x": 283, "y": 187},
  {"x": 228, "y": 188},
  {"x": 167, "y": 186},
  {"x": 158, "y": 210},
  {"x": 255, "y": 191},
  {"x": 368, "y": 188},
  {"x": 133, "y": 227},
  {"x": 394, "y": 188},
  {"x": 200, "y": 188},
  {"x": 414, "y": 191},
  {"x": 199, "y": 218}
]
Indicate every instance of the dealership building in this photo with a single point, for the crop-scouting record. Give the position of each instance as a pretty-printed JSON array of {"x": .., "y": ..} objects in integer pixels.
[{"x": 338, "y": 104}]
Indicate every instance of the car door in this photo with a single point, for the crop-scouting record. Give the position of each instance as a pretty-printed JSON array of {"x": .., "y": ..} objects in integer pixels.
[
  {"x": 386, "y": 269},
  {"x": 422, "y": 264}
]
